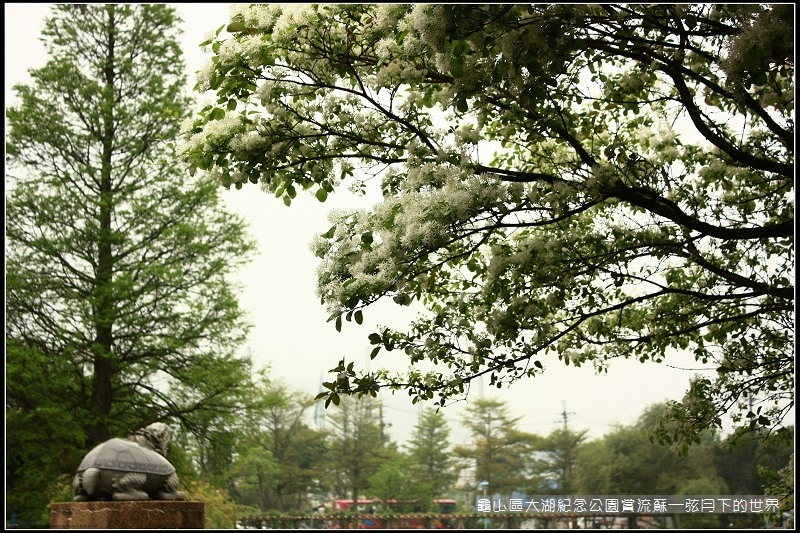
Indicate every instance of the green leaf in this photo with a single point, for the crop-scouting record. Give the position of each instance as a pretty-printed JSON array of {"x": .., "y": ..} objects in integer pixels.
[
  {"x": 339, "y": 323},
  {"x": 387, "y": 344},
  {"x": 758, "y": 78},
  {"x": 235, "y": 27},
  {"x": 374, "y": 352},
  {"x": 402, "y": 299},
  {"x": 321, "y": 195},
  {"x": 375, "y": 338},
  {"x": 457, "y": 67},
  {"x": 359, "y": 317}
]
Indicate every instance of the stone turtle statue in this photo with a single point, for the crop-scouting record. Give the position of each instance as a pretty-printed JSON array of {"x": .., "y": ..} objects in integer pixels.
[{"x": 129, "y": 469}]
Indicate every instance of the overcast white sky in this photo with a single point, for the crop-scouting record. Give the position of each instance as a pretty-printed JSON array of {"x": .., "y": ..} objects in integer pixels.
[{"x": 290, "y": 332}]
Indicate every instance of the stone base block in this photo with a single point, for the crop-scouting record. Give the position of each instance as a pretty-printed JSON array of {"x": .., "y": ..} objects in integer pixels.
[{"x": 146, "y": 514}]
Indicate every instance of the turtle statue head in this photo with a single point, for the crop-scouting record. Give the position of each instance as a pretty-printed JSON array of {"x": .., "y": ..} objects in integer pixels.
[
  {"x": 156, "y": 436},
  {"x": 135, "y": 468}
]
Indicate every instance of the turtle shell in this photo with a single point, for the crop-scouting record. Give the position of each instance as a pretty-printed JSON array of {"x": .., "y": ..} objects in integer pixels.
[{"x": 125, "y": 455}]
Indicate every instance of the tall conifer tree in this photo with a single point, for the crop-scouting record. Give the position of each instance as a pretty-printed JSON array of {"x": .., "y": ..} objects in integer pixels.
[{"x": 119, "y": 308}]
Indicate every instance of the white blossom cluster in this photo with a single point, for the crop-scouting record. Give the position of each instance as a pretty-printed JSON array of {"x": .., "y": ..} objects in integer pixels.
[
  {"x": 203, "y": 76},
  {"x": 770, "y": 27},
  {"x": 602, "y": 176},
  {"x": 630, "y": 81},
  {"x": 419, "y": 220},
  {"x": 214, "y": 132},
  {"x": 396, "y": 73},
  {"x": 664, "y": 142},
  {"x": 247, "y": 141},
  {"x": 293, "y": 14},
  {"x": 260, "y": 16},
  {"x": 427, "y": 21},
  {"x": 387, "y": 17}
]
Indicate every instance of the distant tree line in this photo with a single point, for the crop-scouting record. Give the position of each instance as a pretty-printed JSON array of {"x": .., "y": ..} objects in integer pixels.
[
  {"x": 285, "y": 466},
  {"x": 270, "y": 460}
]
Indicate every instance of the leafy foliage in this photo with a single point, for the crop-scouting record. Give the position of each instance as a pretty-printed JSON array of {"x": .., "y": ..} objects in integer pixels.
[
  {"x": 429, "y": 447},
  {"x": 559, "y": 182},
  {"x": 426, "y": 470},
  {"x": 356, "y": 444},
  {"x": 560, "y": 449},
  {"x": 500, "y": 452},
  {"x": 276, "y": 428},
  {"x": 398, "y": 478},
  {"x": 219, "y": 511},
  {"x": 627, "y": 461}
]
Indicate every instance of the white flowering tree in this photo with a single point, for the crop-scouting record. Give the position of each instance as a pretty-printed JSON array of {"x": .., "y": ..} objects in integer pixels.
[{"x": 559, "y": 182}]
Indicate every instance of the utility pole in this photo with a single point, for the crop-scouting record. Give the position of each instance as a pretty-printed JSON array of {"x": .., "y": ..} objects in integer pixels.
[
  {"x": 319, "y": 408},
  {"x": 380, "y": 422},
  {"x": 566, "y": 457},
  {"x": 564, "y": 413}
]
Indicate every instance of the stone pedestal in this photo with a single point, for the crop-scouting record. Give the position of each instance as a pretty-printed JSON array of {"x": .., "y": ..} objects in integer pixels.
[{"x": 146, "y": 514}]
